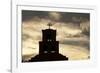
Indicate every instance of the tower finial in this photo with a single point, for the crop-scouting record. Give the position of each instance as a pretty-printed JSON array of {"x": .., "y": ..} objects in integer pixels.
[{"x": 49, "y": 24}]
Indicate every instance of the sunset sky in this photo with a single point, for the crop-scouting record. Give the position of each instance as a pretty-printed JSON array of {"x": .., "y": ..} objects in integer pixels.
[{"x": 72, "y": 32}]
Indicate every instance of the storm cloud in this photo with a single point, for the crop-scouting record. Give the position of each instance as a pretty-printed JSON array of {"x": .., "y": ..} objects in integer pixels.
[{"x": 59, "y": 16}]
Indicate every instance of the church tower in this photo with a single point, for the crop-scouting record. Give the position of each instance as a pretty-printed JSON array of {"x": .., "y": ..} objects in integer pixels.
[
  {"x": 48, "y": 47},
  {"x": 48, "y": 44}
]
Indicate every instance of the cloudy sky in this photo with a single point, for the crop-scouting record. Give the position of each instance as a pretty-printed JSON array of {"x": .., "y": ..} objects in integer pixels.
[{"x": 72, "y": 32}]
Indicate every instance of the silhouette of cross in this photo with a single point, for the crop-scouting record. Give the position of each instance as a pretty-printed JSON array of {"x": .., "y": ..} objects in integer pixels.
[{"x": 49, "y": 24}]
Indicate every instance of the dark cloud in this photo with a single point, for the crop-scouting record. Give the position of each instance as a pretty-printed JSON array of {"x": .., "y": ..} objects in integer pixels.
[
  {"x": 64, "y": 16},
  {"x": 25, "y": 36},
  {"x": 68, "y": 17},
  {"x": 86, "y": 32},
  {"x": 74, "y": 36},
  {"x": 27, "y": 15},
  {"x": 75, "y": 43}
]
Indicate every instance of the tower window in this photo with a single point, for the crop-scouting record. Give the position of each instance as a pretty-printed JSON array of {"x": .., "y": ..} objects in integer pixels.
[
  {"x": 49, "y": 40},
  {"x": 52, "y": 51},
  {"x": 45, "y": 52}
]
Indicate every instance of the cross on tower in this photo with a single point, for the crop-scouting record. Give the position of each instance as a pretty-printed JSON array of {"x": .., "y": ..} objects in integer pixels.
[{"x": 49, "y": 24}]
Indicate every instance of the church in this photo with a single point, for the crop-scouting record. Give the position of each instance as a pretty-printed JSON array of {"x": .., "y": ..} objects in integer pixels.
[{"x": 48, "y": 47}]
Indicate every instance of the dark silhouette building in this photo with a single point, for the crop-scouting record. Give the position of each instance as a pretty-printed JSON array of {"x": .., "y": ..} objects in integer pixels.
[{"x": 48, "y": 47}]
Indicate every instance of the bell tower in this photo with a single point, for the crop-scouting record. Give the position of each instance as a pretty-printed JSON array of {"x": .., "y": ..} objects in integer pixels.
[
  {"x": 48, "y": 44},
  {"x": 48, "y": 47}
]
